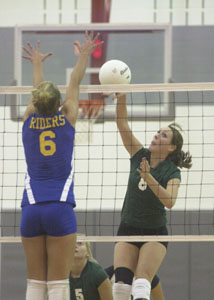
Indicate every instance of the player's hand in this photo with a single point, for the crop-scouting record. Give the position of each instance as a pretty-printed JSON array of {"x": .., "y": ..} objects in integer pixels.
[
  {"x": 118, "y": 96},
  {"x": 91, "y": 109},
  {"x": 144, "y": 169},
  {"x": 89, "y": 44},
  {"x": 34, "y": 55}
]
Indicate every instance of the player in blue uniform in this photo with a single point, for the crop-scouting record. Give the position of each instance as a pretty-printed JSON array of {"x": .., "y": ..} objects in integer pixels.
[{"x": 48, "y": 223}]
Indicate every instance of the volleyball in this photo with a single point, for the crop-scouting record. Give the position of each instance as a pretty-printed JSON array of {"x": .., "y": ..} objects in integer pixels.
[{"x": 114, "y": 72}]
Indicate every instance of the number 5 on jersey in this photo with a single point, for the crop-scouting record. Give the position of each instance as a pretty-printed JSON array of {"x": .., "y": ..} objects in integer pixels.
[
  {"x": 47, "y": 147},
  {"x": 79, "y": 294}
]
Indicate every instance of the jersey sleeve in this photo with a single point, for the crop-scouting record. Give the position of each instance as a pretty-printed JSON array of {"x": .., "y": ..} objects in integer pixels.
[
  {"x": 143, "y": 152},
  {"x": 175, "y": 174},
  {"x": 100, "y": 274}
]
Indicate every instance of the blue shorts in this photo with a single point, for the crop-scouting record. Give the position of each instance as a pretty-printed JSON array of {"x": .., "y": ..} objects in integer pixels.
[{"x": 48, "y": 218}]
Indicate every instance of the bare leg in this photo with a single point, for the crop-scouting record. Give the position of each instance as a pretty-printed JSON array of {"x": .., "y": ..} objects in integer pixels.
[
  {"x": 36, "y": 259},
  {"x": 157, "y": 292},
  {"x": 150, "y": 258},
  {"x": 60, "y": 256},
  {"x": 125, "y": 255}
]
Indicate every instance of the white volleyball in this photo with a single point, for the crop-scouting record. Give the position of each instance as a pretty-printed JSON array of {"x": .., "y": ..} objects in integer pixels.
[{"x": 114, "y": 72}]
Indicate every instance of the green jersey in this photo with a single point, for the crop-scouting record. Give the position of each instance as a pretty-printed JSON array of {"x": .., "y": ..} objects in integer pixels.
[
  {"x": 86, "y": 286},
  {"x": 141, "y": 207}
]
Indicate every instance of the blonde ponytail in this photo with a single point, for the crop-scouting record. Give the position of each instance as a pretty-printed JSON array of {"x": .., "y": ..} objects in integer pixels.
[{"x": 46, "y": 98}]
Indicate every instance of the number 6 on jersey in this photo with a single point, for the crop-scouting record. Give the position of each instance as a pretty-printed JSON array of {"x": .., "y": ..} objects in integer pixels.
[{"x": 47, "y": 147}]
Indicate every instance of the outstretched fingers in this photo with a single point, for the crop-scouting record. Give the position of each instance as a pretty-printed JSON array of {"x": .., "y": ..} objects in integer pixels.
[
  {"x": 76, "y": 48},
  {"x": 34, "y": 55},
  {"x": 88, "y": 45},
  {"x": 96, "y": 37},
  {"x": 26, "y": 57},
  {"x": 86, "y": 34},
  {"x": 90, "y": 36},
  {"x": 47, "y": 55},
  {"x": 26, "y": 50},
  {"x": 30, "y": 46},
  {"x": 98, "y": 44},
  {"x": 38, "y": 46},
  {"x": 96, "y": 41},
  {"x": 77, "y": 45},
  {"x": 29, "y": 52}
]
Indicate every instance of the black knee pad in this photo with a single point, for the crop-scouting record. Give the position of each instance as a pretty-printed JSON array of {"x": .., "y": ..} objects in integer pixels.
[
  {"x": 155, "y": 281},
  {"x": 124, "y": 274}
]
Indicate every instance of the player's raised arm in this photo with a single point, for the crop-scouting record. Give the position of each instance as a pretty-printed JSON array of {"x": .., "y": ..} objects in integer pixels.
[
  {"x": 130, "y": 142},
  {"x": 36, "y": 58},
  {"x": 71, "y": 105}
]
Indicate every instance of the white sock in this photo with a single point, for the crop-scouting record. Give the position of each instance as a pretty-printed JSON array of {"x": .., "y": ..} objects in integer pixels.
[
  {"x": 36, "y": 290},
  {"x": 121, "y": 291},
  {"x": 141, "y": 289},
  {"x": 58, "y": 290}
]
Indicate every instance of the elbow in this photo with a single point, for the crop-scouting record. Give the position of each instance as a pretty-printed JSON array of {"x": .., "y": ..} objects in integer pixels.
[{"x": 170, "y": 204}]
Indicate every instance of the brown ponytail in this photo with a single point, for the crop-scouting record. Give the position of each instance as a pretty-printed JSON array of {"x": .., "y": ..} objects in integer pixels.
[{"x": 180, "y": 158}]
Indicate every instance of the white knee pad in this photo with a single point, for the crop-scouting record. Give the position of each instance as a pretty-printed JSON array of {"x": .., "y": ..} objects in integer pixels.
[
  {"x": 58, "y": 290},
  {"x": 141, "y": 289},
  {"x": 36, "y": 290},
  {"x": 121, "y": 291}
]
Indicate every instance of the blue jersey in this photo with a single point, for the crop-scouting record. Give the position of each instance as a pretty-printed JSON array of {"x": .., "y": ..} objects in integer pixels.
[{"x": 48, "y": 144}]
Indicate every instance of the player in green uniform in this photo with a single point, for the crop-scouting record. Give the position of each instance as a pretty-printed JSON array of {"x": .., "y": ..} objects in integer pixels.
[
  {"x": 153, "y": 185},
  {"x": 88, "y": 280}
]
